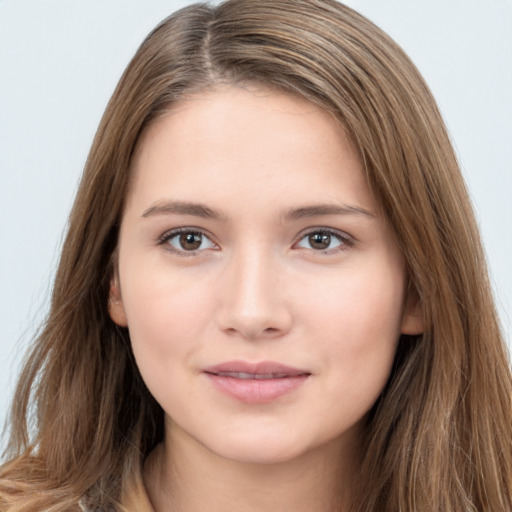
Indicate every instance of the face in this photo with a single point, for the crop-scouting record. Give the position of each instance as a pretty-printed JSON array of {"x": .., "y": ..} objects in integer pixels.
[{"x": 262, "y": 289}]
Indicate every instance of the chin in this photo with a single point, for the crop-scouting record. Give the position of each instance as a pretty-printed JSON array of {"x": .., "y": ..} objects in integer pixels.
[
  {"x": 261, "y": 448},
  {"x": 260, "y": 454}
]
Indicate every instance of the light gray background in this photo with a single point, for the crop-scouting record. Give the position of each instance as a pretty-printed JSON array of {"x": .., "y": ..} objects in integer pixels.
[{"x": 60, "y": 61}]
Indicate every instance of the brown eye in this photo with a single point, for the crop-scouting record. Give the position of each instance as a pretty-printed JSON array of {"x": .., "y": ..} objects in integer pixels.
[
  {"x": 187, "y": 242},
  {"x": 323, "y": 240},
  {"x": 191, "y": 241},
  {"x": 319, "y": 241}
]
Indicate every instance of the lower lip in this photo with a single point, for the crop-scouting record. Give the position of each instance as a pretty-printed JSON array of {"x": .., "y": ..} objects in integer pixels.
[{"x": 257, "y": 391}]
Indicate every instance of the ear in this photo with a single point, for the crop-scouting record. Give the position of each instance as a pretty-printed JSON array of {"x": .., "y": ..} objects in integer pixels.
[
  {"x": 413, "y": 321},
  {"x": 115, "y": 303}
]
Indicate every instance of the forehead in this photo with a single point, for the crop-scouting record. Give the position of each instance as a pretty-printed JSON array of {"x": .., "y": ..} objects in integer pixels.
[{"x": 250, "y": 142}]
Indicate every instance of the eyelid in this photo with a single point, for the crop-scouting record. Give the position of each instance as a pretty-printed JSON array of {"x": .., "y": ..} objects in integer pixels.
[
  {"x": 347, "y": 240},
  {"x": 171, "y": 233}
]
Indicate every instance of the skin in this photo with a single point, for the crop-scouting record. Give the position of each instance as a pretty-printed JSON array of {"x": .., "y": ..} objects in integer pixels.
[{"x": 258, "y": 288}]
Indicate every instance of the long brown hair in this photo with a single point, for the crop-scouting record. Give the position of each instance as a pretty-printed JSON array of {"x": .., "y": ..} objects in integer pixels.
[{"x": 440, "y": 436}]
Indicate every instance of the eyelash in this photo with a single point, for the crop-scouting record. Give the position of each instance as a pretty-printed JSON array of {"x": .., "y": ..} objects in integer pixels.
[
  {"x": 169, "y": 235},
  {"x": 346, "y": 241}
]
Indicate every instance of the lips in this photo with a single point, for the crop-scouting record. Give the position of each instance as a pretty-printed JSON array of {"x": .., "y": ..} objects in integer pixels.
[
  {"x": 257, "y": 376},
  {"x": 255, "y": 383}
]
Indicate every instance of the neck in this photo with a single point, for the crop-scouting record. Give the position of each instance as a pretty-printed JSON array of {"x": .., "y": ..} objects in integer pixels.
[{"x": 182, "y": 475}]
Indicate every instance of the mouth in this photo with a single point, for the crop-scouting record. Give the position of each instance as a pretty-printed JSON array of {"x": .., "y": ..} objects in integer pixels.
[
  {"x": 255, "y": 383},
  {"x": 256, "y": 376}
]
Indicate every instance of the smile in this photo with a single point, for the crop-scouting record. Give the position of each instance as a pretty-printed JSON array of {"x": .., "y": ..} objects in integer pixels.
[
  {"x": 257, "y": 376},
  {"x": 255, "y": 383}
]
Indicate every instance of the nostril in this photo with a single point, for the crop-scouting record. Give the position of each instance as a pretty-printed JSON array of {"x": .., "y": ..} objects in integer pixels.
[
  {"x": 253, "y": 315},
  {"x": 254, "y": 331}
]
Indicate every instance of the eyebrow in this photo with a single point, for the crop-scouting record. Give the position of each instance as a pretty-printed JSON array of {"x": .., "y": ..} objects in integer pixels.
[
  {"x": 317, "y": 210},
  {"x": 183, "y": 208},
  {"x": 205, "y": 212}
]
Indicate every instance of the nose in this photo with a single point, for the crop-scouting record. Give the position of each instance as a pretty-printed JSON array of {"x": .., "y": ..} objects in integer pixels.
[{"x": 253, "y": 302}]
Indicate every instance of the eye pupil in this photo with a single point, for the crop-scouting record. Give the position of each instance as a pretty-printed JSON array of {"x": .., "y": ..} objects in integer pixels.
[
  {"x": 320, "y": 240},
  {"x": 191, "y": 241}
]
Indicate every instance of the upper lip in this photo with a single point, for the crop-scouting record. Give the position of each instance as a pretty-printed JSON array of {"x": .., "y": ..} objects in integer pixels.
[{"x": 262, "y": 368}]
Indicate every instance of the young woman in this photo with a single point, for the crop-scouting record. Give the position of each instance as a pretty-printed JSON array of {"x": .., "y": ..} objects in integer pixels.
[{"x": 272, "y": 294}]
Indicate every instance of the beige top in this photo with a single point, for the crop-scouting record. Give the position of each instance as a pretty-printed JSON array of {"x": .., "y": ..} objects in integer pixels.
[{"x": 134, "y": 499}]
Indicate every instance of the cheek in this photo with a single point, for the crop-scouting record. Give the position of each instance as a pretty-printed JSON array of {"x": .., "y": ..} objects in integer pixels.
[
  {"x": 360, "y": 305},
  {"x": 165, "y": 318},
  {"x": 359, "y": 327}
]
